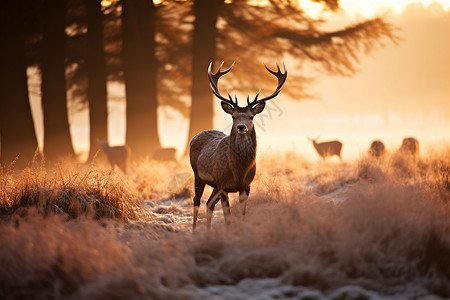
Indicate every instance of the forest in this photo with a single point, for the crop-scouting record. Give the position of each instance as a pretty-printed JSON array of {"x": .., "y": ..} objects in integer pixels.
[{"x": 160, "y": 52}]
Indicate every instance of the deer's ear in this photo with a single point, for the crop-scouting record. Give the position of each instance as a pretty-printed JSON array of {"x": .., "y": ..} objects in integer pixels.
[
  {"x": 258, "y": 108},
  {"x": 227, "y": 108}
]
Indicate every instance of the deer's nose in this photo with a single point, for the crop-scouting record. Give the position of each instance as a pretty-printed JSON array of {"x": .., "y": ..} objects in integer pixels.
[{"x": 242, "y": 128}]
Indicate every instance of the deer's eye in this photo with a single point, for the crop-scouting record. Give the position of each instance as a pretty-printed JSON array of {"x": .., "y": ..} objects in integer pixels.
[
  {"x": 251, "y": 118},
  {"x": 233, "y": 117}
]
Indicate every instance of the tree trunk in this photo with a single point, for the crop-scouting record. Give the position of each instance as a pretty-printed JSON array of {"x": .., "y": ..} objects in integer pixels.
[
  {"x": 17, "y": 135},
  {"x": 57, "y": 140},
  {"x": 140, "y": 71},
  {"x": 97, "y": 94},
  {"x": 204, "y": 51}
]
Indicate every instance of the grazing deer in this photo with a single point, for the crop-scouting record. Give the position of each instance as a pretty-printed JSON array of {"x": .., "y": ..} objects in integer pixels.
[
  {"x": 227, "y": 163},
  {"x": 410, "y": 146},
  {"x": 165, "y": 154},
  {"x": 326, "y": 149},
  {"x": 117, "y": 155},
  {"x": 377, "y": 149}
]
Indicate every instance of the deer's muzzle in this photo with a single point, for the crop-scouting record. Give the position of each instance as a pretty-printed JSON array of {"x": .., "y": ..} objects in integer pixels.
[{"x": 242, "y": 129}]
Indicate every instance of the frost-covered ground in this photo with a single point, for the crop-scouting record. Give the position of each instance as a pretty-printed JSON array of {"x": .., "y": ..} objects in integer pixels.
[{"x": 366, "y": 229}]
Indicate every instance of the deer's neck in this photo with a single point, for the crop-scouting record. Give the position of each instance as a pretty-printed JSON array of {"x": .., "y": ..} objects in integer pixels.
[{"x": 242, "y": 153}]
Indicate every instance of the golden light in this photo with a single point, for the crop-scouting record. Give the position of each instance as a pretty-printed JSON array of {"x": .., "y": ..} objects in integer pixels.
[
  {"x": 366, "y": 9},
  {"x": 353, "y": 8},
  {"x": 370, "y": 8},
  {"x": 313, "y": 9},
  {"x": 106, "y": 3}
]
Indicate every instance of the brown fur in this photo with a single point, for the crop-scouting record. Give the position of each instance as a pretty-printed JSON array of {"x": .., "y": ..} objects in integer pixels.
[
  {"x": 165, "y": 154},
  {"x": 410, "y": 146},
  {"x": 377, "y": 149},
  {"x": 330, "y": 148},
  {"x": 227, "y": 163},
  {"x": 117, "y": 155}
]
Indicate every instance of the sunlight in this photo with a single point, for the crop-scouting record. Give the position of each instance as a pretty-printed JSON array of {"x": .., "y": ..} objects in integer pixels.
[
  {"x": 313, "y": 9},
  {"x": 366, "y": 9},
  {"x": 106, "y": 3},
  {"x": 370, "y": 8},
  {"x": 352, "y": 7}
]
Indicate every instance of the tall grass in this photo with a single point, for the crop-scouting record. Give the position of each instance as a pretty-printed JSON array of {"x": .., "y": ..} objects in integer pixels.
[
  {"x": 68, "y": 188},
  {"x": 381, "y": 225}
]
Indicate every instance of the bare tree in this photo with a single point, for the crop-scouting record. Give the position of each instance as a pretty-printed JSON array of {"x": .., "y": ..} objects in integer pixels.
[
  {"x": 96, "y": 69},
  {"x": 203, "y": 52},
  {"x": 140, "y": 74},
  {"x": 57, "y": 139},
  {"x": 17, "y": 134}
]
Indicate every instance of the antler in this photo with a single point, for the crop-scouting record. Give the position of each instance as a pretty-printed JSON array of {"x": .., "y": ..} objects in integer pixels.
[
  {"x": 214, "y": 79},
  {"x": 281, "y": 79}
]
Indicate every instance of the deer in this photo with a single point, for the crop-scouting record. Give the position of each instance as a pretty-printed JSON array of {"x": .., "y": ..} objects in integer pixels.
[
  {"x": 117, "y": 155},
  {"x": 227, "y": 163},
  {"x": 410, "y": 146},
  {"x": 165, "y": 154},
  {"x": 377, "y": 149},
  {"x": 325, "y": 149}
]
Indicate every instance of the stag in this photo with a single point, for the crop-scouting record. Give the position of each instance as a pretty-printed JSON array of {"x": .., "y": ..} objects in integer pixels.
[
  {"x": 377, "y": 149},
  {"x": 410, "y": 146},
  {"x": 227, "y": 162},
  {"x": 326, "y": 149},
  {"x": 117, "y": 155}
]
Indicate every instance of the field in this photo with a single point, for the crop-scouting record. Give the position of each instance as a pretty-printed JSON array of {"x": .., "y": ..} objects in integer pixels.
[{"x": 362, "y": 229}]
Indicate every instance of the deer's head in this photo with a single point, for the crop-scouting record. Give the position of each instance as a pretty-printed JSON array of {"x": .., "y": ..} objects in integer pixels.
[
  {"x": 243, "y": 116},
  {"x": 102, "y": 143},
  {"x": 314, "y": 141}
]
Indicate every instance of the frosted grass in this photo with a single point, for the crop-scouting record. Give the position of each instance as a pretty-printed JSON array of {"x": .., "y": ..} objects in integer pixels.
[{"x": 365, "y": 229}]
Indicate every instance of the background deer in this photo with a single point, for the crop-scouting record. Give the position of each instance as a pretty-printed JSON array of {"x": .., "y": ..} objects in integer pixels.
[
  {"x": 410, "y": 146},
  {"x": 165, "y": 154},
  {"x": 377, "y": 149},
  {"x": 227, "y": 163},
  {"x": 326, "y": 149},
  {"x": 117, "y": 155}
]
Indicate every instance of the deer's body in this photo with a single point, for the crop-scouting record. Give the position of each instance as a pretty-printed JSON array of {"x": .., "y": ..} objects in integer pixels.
[
  {"x": 224, "y": 162},
  {"x": 117, "y": 155},
  {"x": 410, "y": 146},
  {"x": 227, "y": 162},
  {"x": 165, "y": 154},
  {"x": 330, "y": 148},
  {"x": 377, "y": 149}
]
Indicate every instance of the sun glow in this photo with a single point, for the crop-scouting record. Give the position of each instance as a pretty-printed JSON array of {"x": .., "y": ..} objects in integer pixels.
[
  {"x": 352, "y": 7},
  {"x": 368, "y": 9}
]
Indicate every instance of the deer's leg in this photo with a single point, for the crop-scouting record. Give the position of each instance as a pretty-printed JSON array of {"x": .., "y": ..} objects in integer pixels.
[
  {"x": 210, "y": 204},
  {"x": 199, "y": 187},
  {"x": 226, "y": 208},
  {"x": 123, "y": 167},
  {"x": 243, "y": 196}
]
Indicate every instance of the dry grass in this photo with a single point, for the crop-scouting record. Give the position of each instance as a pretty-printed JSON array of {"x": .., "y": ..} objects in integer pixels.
[
  {"x": 155, "y": 180},
  {"x": 70, "y": 189},
  {"x": 347, "y": 230}
]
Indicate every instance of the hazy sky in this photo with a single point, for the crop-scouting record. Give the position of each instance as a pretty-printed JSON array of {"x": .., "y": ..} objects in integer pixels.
[{"x": 413, "y": 76}]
